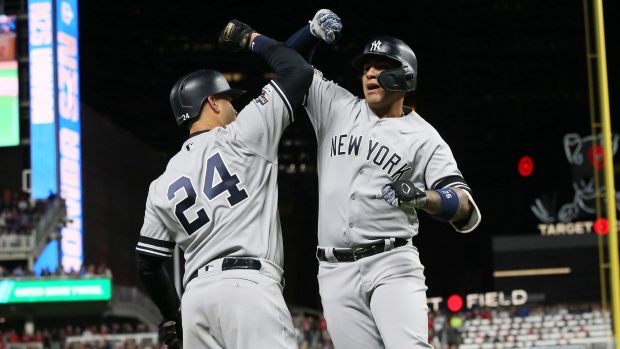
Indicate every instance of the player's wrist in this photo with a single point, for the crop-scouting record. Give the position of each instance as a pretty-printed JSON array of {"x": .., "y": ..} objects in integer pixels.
[
  {"x": 418, "y": 202},
  {"x": 252, "y": 37},
  {"x": 449, "y": 204},
  {"x": 174, "y": 316}
]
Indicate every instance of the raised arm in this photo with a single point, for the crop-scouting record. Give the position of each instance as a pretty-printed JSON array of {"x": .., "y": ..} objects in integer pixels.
[{"x": 294, "y": 73}]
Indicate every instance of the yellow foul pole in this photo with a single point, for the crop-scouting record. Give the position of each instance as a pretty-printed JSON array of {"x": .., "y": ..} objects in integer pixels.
[{"x": 610, "y": 190}]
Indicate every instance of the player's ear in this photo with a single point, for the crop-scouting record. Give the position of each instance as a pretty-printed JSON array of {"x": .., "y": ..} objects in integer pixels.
[{"x": 212, "y": 102}]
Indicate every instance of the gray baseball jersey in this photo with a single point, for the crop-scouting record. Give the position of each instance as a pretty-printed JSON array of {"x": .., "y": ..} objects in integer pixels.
[
  {"x": 218, "y": 195},
  {"x": 358, "y": 153},
  {"x": 218, "y": 200},
  {"x": 378, "y": 301}
]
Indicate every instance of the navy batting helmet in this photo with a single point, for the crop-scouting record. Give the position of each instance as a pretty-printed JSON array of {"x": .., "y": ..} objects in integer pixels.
[
  {"x": 402, "y": 78},
  {"x": 190, "y": 92}
]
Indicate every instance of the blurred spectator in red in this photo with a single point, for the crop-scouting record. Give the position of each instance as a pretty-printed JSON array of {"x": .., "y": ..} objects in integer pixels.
[
  {"x": 26, "y": 338},
  {"x": 431, "y": 328},
  {"x": 486, "y": 314},
  {"x": 73, "y": 273},
  {"x": 6, "y": 196},
  {"x": 13, "y": 337},
  {"x": 38, "y": 337},
  {"x": 328, "y": 344},
  {"x": 104, "y": 330},
  {"x": 322, "y": 323}
]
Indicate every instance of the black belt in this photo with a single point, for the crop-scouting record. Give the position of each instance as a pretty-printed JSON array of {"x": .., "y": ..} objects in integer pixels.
[
  {"x": 359, "y": 252},
  {"x": 230, "y": 263}
]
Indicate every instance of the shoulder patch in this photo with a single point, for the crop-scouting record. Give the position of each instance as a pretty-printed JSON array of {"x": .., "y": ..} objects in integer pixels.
[
  {"x": 262, "y": 99},
  {"x": 267, "y": 89}
]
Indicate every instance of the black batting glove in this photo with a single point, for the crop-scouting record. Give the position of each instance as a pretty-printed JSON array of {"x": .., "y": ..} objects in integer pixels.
[
  {"x": 236, "y": 35},
  {"x": 171, "y": 332},
  {"x": 403, "y": 193}
]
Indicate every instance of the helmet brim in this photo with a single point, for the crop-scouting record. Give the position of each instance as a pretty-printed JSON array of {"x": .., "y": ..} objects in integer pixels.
[
  {"x": 359, "y": 60},
  {"x": 233, "y": 93}
]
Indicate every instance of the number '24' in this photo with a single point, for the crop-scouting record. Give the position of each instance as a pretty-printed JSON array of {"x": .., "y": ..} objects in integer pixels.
[{"x": 228, "y": 184}]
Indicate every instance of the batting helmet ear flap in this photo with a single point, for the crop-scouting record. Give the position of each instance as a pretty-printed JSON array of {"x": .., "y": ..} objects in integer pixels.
[{"x": 397, "y": 80}]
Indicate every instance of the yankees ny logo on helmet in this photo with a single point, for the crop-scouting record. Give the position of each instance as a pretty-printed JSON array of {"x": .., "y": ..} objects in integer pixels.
[{"x": 376, "y": 45}]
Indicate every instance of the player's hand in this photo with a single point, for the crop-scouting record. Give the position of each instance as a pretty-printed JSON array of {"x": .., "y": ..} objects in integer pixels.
[
  {"x": 326, "y": 25},
  {"x": 171, "y": 332},
  {"x": 236, "y": 35},
  {"x": 403, "y": 193}
]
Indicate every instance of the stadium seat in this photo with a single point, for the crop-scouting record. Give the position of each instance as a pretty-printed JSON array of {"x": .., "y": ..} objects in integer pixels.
[
  {"x": 542, "y": 343},
  {"x": 469, "y": 346}
]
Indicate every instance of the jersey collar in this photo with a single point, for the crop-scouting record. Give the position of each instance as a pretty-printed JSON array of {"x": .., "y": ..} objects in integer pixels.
[{"x": 197, "y": 133}]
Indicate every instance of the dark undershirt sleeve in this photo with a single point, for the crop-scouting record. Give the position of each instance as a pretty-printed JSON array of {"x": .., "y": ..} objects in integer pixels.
[
  {"x": 158, "y": 284},
  {"x": 304, "y": 43},
  {"x": 294, "y": 73}
]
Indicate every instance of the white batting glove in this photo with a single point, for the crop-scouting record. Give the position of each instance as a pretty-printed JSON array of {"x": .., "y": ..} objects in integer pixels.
[
  {"x": 389, "y": 195},
  {"x": 326, "y": 25}
]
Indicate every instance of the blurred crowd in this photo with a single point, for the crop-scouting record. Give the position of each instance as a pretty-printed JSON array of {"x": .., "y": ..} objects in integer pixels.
[
  {"x": 445, "y": 331},
  {"x": 85, "y": 271},
  {"x": 56, "y": 337},
  {"x": 18, "y": 214},
  {"x": 311, "y": 333}
]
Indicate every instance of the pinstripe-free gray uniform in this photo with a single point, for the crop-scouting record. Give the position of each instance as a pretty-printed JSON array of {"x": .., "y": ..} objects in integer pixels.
[
  {"x": 378, "y": 301},
  {"x": 232, "y": 173},
  {"x": 217, "y": 198}
]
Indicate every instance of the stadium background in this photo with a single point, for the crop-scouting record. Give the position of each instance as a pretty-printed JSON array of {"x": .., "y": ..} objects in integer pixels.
[{"x": 499, "y": 80}]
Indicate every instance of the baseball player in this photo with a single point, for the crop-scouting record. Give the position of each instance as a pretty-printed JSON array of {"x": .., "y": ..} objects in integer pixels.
[
  {"x": 218, "y": 201},
  {"x": 378, "y": 162}
]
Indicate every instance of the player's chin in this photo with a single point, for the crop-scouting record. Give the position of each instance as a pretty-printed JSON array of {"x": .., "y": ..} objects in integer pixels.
[
  {"x": 372, "y": 95},
  {"x": 374, "y": 99}
]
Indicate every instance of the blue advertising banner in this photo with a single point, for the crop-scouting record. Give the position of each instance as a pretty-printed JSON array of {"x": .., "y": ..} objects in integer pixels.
[
  {"x": 69, "y": 135},
  {"x": 42, "y": 99}
]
